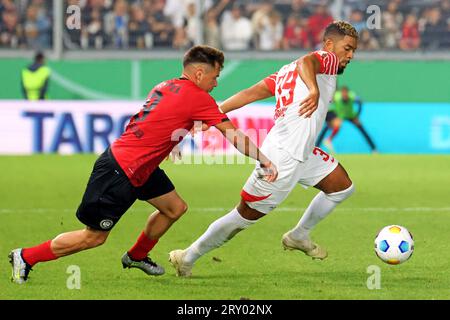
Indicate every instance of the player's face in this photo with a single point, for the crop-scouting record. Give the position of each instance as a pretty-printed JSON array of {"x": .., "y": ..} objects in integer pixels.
[
  {"x": 207, "y": 77},
  {"x": 344, "y": 48}
]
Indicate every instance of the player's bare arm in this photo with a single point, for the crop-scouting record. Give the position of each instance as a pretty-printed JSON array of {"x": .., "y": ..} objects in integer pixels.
[
  {"x": 245, "y": 146},
  {"x": 257, "y": 92},
  {"x": 308, "y": 67}
]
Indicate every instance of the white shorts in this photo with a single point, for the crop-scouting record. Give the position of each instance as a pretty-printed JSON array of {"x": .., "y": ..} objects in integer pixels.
[{"x": 264, "y": 196}]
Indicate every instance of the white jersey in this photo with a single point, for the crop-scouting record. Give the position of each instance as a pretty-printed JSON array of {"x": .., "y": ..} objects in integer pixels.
[{"x": 293, "y": 133}]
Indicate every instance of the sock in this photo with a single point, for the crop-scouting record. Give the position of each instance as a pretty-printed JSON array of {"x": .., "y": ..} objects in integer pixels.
[
  {"x": 334, "y": 133},
  {"x": 39, "y": 253},
  {"x": 219, "y": 232},
  {"x": 318, "y": 209},
  {"x": 142, "y": 247}
]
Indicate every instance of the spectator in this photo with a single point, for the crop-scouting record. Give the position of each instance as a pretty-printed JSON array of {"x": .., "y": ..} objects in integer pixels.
[
  {"x": 116, "y": 24},
  {"x": 391, "y": 22},
  {"x": 317, "y": 24},
  {"x": 177, "y": 10},
  {"x": 174, "y": 23},
  {"x": 212, "y": 29},
  {"x": 139, "y": 33},
  {"x": 410, "y": 34},
  {"x": 11, "y": 32},
  {"x": 357, "y": 20},
  {"x": 435, "y": 30},
  {"x": 295, "y": 34},
  {"x": 446, "y": 41},
  {"x": 296, "y": 7},
  {"x": 37, "y": 28},
  {"x": 260, "y": 18},
  {"x": 7, "y": 5},
  {"x": 367, "y": 41},
  {"x": 445, "y": 9},
  {"x": 161, "y": 25},
  {"x": 271, "y": 32},
  {"x": 186, "y": 18},
  {"x": 192, "y": 25},
  {"x": 236, "y": 30}
]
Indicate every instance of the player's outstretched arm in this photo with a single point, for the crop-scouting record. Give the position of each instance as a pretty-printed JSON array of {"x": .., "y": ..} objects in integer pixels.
[
  {"x": 248, "y": 148},
  {"x": 308, "y": 67},
  {"x": 256, "y": 92}
]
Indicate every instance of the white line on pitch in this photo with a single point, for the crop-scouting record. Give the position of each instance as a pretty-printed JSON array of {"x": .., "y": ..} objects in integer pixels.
[{"x": 214, "y": 209}]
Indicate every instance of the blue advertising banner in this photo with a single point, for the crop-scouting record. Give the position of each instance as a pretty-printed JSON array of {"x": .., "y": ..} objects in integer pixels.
[{"x": 398, "y": 128}]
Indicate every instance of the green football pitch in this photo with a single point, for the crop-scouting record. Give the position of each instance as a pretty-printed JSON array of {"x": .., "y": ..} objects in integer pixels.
[{"x": 39, "y": 196}]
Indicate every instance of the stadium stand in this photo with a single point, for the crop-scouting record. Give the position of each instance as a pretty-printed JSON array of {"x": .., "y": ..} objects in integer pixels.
[{"x": 265, "y": 25}]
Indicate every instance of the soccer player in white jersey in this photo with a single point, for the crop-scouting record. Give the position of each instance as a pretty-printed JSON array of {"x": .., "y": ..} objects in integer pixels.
[{"x": 303, "y": 90}]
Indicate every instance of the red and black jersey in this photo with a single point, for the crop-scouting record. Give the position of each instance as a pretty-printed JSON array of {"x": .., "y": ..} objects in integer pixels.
[{"x": 166, "y": 117}]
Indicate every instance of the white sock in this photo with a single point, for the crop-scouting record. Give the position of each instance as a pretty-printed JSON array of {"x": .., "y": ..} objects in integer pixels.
[
  {"x": 318, "y": 209},
  {"x": 219, "y": 232}
]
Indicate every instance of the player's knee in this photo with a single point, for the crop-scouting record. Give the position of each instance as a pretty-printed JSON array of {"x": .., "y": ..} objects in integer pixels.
[
  {"x": 176, "y": 211},
  {"x": 341, "y": 195},
  {"x": 94, "y": 239}
]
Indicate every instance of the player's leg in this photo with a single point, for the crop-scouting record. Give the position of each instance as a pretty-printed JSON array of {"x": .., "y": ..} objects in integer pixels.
[
  {"x": 323, "y": 133},
  {"x": 258, "y": 198},
  {"x": 72, "y": 242},
  {"x": 360, "y": 127},
  {"x": 68, "y": 243},
  {"x": 329, "y": 117},
  {"x": 335, "y": 125},
  {"x": 170, "y": 208},
  {"x": 160, "y": 193},
  {"x": 107, "y": 197},
  {"x": 217, "y": 234},
  {"x": 335, "y": 186}
]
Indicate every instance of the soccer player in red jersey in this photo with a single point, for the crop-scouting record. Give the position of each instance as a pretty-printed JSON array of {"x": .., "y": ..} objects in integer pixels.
[
  {"x": 303, "y": 89},
  {"x": 129, "y": 169}
]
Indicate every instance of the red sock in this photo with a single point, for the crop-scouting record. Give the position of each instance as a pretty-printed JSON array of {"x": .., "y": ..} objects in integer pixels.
[
  {"x": 142, "y": 247},
  {"x": 334, "y": 132},
  {"x": 39, "y": 253}
]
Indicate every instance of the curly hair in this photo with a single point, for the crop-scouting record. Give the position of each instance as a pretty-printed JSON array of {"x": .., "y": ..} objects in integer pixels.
[{"x": 340, "y": 28}]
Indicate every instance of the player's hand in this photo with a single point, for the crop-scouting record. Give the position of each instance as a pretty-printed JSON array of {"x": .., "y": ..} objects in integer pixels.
[
  {"x": 309, "y": 104},
  {"x": 198, "y": 126},
  {"x": 268, "y": 172},
  {"x": 174, "y": 154}
]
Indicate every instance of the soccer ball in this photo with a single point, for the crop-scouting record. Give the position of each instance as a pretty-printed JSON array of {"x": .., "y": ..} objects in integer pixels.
[{"x": 394, "y": 244}]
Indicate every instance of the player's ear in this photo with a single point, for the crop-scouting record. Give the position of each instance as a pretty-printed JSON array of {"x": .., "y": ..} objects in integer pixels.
[
  {"x": 329, "y": 44},
  {"x": 199, "y": 72}
]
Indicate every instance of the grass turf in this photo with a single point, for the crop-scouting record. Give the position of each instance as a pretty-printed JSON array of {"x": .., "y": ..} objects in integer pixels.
[{"x": 39, "y": 196}]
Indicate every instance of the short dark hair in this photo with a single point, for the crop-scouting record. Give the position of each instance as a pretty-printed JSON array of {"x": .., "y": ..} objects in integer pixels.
[
  {"x": 340, "y": 28},
  {"x": 204, "y": 54},
  {"x": 39, "y": 56}
]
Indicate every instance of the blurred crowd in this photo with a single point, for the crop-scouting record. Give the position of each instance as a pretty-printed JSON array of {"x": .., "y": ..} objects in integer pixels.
[{"x": 227, "y": 24}]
